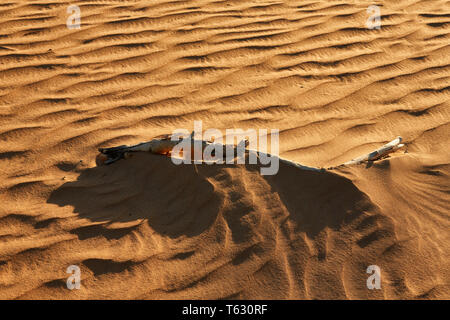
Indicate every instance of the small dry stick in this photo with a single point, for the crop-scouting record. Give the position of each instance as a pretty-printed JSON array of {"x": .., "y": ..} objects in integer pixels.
[{"x": 380, "y": 153}]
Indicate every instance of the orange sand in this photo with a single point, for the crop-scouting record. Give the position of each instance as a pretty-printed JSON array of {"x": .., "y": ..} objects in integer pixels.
[{"x": 144, "y": 228}]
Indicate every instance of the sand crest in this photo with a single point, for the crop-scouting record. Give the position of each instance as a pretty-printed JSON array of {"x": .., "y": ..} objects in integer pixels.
[{"x": 144, "y": 228}]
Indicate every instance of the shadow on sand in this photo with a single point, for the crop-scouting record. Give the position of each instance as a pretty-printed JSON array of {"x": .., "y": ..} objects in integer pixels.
[
  {"x": 148, "y": 187},
  {"x": 186, "y": 199}
]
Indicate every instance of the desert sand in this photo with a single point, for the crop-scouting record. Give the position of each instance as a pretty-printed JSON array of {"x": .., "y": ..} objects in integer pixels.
[{"x": 144, "y": 228}]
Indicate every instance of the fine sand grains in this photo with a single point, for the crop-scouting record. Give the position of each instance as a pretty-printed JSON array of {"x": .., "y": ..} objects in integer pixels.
[{"x": 145, "y": 228}]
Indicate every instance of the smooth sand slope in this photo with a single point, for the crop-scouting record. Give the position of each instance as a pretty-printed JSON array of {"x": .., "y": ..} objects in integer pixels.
[{"x": 144, "y": 228}]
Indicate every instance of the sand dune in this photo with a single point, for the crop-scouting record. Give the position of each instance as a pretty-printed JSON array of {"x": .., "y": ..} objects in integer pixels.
[{"x": 144, "y": 228}]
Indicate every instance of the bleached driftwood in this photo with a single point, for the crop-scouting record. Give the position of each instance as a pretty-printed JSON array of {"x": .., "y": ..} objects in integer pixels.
[
  {"x": 165, "y": 146},
  {"x": 381, "y": 152},
  {"x": 157, "y": 146}
]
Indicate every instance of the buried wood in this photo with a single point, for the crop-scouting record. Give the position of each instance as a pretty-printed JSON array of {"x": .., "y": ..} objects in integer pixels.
[
  {"x": 377, "y": 154},
  {"x": 165, "y": 145},
  {"x": 380, "y": 153}
]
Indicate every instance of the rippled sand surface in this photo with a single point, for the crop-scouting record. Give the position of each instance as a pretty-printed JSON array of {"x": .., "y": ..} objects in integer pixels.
[{"x": 144, "y": 228}]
